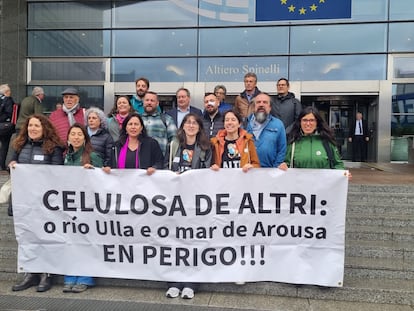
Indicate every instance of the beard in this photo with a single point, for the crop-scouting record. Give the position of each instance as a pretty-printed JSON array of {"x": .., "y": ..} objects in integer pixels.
[{"x": 260, "y": 116}]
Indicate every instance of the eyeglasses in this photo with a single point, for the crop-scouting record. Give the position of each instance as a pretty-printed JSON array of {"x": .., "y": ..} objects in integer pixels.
[
  {"x": 191, "y": 123},
  {"x": 308, "y": 120}
]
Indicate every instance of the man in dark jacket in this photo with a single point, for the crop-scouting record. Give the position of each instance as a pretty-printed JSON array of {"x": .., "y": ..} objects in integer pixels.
[
  {"x": 359, "y": 137},
  {"x": 212, "y": 118},
  {"x": 285, "y": 106},
  {"x": 183, "y": 106}
]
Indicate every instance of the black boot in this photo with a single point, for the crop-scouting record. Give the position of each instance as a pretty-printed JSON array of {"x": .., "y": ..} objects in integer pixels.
[
  {"x": 45, "y": 282},
  {"x": 30, "y": 279}
]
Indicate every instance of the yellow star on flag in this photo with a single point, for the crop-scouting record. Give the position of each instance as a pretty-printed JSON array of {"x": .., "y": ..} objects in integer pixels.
[
  {"x": 291, "y": 8},
  {"x": 321, "y": 1},
  {"x": 313, "y": 7},
  {"x": 283, "y": 1},
  {"x": 302, "y": 11}
]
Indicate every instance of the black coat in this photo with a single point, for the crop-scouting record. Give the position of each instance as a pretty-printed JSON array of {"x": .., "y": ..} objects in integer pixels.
[
  {"x": 150, "y": 154},
  {"x": 103, "y": 144},
  {"x": 32, "y": 153}
]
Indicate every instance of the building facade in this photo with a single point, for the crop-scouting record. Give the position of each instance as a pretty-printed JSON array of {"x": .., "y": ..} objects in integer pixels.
[{"x": 362, "y": 63}]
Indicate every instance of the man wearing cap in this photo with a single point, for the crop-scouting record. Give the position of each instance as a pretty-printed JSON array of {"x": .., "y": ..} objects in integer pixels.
[{"x": 70, "y": 113}]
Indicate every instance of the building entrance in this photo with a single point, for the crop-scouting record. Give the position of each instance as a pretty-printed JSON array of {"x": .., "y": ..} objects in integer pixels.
[{"x": 340, "y": 111}]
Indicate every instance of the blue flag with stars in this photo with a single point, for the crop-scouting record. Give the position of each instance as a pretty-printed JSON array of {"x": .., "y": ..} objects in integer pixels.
[{"x": 274, "y": 10}]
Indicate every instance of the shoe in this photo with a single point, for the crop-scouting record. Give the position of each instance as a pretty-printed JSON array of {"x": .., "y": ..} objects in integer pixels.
[
  {"x": 28, "y": 281},
  {"x": 45, "y": 283},
  {"x": 187, "y": 293},
  {"x": 79, "y": 288},
  {"x": 172, "y": 292},
  {"x": 67, "y": 288}
]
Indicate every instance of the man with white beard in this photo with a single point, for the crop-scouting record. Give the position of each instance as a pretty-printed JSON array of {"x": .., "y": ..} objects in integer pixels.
[{"x": 268, "y": 131}]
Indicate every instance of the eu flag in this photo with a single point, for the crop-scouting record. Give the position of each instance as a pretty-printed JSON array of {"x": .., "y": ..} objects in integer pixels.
[{"x": 273, "y": 10}]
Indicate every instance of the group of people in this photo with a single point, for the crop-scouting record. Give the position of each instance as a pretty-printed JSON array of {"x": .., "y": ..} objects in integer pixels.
[{"x": 252, "y": 133}]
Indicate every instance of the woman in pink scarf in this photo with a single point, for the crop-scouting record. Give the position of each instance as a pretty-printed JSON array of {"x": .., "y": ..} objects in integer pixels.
[{"x": 122, "y": 108}]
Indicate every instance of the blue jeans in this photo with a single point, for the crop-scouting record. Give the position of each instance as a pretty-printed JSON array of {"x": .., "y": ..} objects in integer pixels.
[{"x": 72, "y": 280}]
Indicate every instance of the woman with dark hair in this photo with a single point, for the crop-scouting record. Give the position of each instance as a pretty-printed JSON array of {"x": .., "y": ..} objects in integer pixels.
[
  {"x": 135, "y": 149},
  {"x": 80, "y": 153},
  {"x": 37, "y": 143},
  {"x": 191, "y": 149},
  {"x": 233, "y": 147},
  {"x": 121, "y": 109},
  {"x": 312, "y": 143}
]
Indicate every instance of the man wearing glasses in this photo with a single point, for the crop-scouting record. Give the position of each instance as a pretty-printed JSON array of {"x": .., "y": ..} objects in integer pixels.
[{"x": 284, "y": 105}]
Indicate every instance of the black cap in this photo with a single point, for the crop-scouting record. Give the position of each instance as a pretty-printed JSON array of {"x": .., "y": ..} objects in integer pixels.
[{"x": 70, "y": 91}]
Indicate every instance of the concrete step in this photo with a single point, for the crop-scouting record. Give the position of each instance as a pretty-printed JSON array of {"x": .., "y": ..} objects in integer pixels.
[
  {"x": 361, "y": 219},
  {"x": 133, "y": 298},
  {"x": 379, "y": 249},
  {"x": 391, "y": 198},
  {"x": 368, "y": 188},
  {"x": 379, "y": 233},
  {"x": 380, "y": 209}
]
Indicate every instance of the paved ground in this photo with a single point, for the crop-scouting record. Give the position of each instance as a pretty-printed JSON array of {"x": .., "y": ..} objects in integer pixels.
[{"x": 381, "y": 173}]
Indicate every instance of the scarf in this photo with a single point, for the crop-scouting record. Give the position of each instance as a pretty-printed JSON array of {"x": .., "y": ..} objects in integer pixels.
[
  {"x": 123, "y": 153},
  {"x": 120, "y": 119},
  {"x": 70, "y": 112}
]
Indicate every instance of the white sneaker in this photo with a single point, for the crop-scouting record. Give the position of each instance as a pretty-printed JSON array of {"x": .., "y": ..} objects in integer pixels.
[
  {"x": 187, "y": 293},
  {"x": 172, "y": 292}
]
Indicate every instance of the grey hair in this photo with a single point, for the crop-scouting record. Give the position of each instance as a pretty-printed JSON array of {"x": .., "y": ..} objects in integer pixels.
[
  {"x": 4, "y": 88},
  {"x": 101, "y": 115},
  {"x": 37, "y": 90},
  {"x": 217, "y": 87}
]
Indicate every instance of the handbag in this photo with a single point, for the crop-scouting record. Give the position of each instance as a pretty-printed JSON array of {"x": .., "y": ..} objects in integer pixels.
[
  {"x": 5, "y": 192},
  {"x": 6, "y": 128}
]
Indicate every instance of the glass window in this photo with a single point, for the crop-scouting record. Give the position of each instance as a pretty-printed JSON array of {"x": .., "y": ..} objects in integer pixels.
[
  {"x": 90, "y": 96},
  {"x": 72, "y": 15},
  {"x": 160, "y": 42},
  {"x": 401, "y": 9},
  {"x": 369, "y": 10},
  {"x": 178, "y": 13},
  {"x": 155, "y": 69},
  {"x": 403, "y": 67},
  {"x": 338, "y": 39},
  {"x": 244, "y": 41},
  {"x": 401, "y": 37},
  {"x": 234, "y": 68},
  {"x": 69, "y": 43},
  {"x": 341, "y": 67},
  {"x": 217, "y": 13},
  {"x": 71, "y": 71}
]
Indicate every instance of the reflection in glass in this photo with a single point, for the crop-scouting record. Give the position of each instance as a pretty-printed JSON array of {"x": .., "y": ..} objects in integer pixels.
[
  {"x": 145, "y": 14},
  {"x": 155, "y": 69},
  {"x": 69, "y": 43},
  {"x": 401, "y": 37},
  {"x": 162, "y": 42},
  {"x": 403, "y": 67},
  {"x": 72, "y": 71},
  {"x": 342, "y": 67},
  {"x": 72, "y": 15},
  {"x": 234, "y": 68},
  {"x": 325, "y": 39},
  {"x": 244, "y": 41},
  {"x": 401, "y": 9}
]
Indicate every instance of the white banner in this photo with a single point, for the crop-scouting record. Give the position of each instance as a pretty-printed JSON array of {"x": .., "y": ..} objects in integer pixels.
[{"x": 200, "y": 226}]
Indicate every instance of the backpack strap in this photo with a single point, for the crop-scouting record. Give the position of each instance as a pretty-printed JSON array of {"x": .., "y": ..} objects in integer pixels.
[{"x": 329, "y": 152}]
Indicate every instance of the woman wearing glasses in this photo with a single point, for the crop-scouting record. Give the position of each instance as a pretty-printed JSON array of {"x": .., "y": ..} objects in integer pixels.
[{"x": 312, "y": 143}]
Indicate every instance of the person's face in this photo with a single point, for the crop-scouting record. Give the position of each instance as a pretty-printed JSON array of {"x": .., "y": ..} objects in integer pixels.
[
  {"x": 308, "y": 124},
  {"x": 70, "y": 100},
  {"x": 7, "y": 92},
  {"x": 262, "y": 103},
  {"x": 282, "y": 87},
  {"x": 133, "y": 127},
  {"x": 150, "y": 103},
  {"x": 359, "y": 116},
  {"x": 93, "y": 121},
  {"x": 76, "y": 138},
  {"x": 122, "y": 105},
  {"x": 211, "y": 103},
  {"x": 250, "y": 83},
  {"x": 183, "y": 100},
  {"x": 220, "y": 94},
  {"x": 35, "y": 129},
  {"x": 191, "y": 127},
  {"x": 231, "y": 123},
  {"x": 141, "y": 88}
]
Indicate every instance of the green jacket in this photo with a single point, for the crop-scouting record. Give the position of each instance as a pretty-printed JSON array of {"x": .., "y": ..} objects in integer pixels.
[
  {"x": 74, "y": 158},
  {"x": 310, "y": 153}
]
